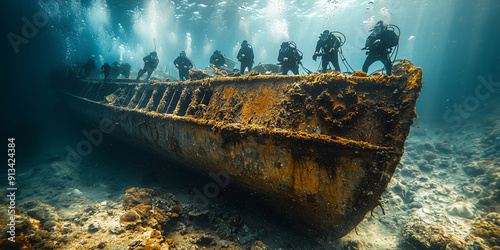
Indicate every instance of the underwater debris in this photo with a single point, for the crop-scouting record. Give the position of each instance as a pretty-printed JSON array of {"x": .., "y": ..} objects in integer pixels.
[
  {"x": 130, "y": 218},
  {"x": 135, "y": 196},
  {"x": 93, "y": 227},
  {"x": 198, "y": 75},
  {"x": 38, "y": 226},
  {"x": 129, "y": 224},
  {"x": 488, "y": 228},
  {"x": 259, "y": 245},
  {"x": 423, "y": 236},
  {"x": 220, "y": 73},
  {"x": 267, "y": 68},
  {"x": 462, "y": 209}
]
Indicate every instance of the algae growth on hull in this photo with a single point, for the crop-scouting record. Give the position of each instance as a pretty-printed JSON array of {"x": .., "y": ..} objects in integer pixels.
[{"x": 322, "y": 148}]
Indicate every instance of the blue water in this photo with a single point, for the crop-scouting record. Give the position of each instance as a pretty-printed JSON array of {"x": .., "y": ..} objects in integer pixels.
[{"x": 455, "y": 42}]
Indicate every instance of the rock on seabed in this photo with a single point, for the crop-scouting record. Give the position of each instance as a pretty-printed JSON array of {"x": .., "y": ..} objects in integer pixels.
[{"x": 462, "y": 209}]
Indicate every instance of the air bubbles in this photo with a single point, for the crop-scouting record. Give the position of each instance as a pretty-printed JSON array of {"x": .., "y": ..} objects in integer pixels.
[
  {"x": 385, "y": 13},
  {"x": 189, "y": 42},
  {"x": 121, "y": 50}
]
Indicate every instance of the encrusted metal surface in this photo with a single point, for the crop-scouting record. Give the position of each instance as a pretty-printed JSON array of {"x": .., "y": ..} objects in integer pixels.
[{"x": 321, "y": 148}]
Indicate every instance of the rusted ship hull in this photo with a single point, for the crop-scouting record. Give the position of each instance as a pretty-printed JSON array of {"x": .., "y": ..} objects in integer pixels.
[{"x": 322, "y": 148}]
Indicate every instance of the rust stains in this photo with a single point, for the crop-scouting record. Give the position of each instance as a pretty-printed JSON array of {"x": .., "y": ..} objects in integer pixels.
[{"x": 322, "y": 148}]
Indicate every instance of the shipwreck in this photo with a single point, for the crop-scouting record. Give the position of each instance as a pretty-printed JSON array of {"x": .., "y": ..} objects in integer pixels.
[{"x": 321, "y": 148}]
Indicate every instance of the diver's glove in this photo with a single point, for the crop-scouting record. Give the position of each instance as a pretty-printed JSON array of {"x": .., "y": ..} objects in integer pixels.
[{"x": 315, "y": 56}]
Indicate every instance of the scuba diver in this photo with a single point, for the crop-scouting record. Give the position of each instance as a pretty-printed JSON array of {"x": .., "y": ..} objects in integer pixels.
[
  {"x": 217, "y": 59},
  {"x": 379, "y": 45},
  {"x": 150, "y": 63},
  {"x": 89, "y": 68},
  {"x": 115, "y": 70},
  {"x": 327, "y": 47},
  {"x": 125, "y": 69},
  {"x": 289, "y": 58},
  {"x": 245, "y": 56},
  {"x": 184, "y": 65},
  {"x": 105, "y": 69}
]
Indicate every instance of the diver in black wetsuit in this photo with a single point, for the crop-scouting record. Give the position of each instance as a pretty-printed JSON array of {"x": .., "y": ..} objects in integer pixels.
[
  {"x": 245, "y": 56},
  {"x": 115, "y": 70},
  {"x": 217, "y": 59},
  {"x": 125, "y": 69},
  {"x": 150, "y": 63},
  {"x": 289, "y": 58},
  {"x": 105, "y": 69},
  {"x": 184, "y": 65},
  {"x": 327, "y": 47},
  {"x": 89, "y": 68},
  {"x": 379, "y": 45}
]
